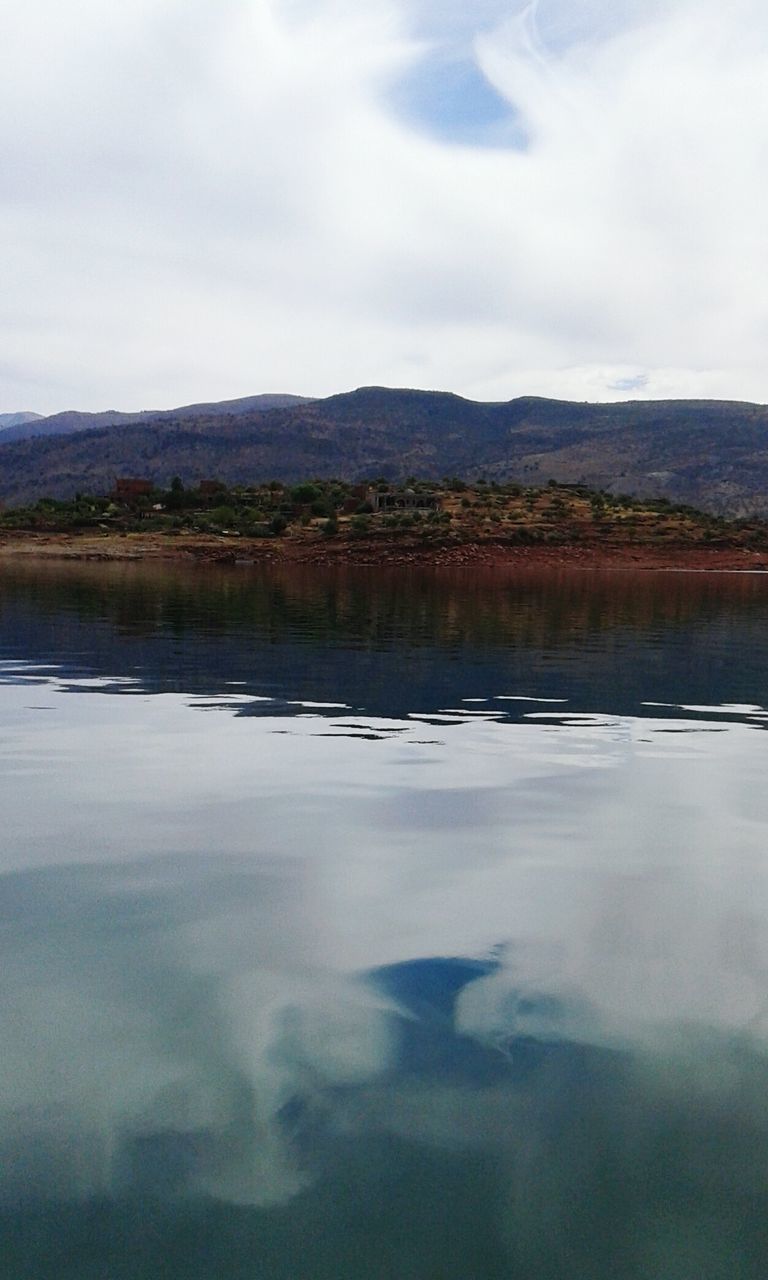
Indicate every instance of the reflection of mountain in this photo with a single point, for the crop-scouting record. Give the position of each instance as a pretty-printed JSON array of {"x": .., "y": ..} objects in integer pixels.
[
  {"x": 243, "y": 1031},
  {"x": 396, "y": 643}
]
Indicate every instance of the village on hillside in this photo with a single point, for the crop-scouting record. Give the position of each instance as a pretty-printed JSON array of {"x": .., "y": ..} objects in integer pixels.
[{"x": 451, "y": 511}]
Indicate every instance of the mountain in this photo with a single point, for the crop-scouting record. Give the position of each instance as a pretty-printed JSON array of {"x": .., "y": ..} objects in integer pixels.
[
  {"x": 26, "y": 425},
  {"x": 712, "y": 454},
  {"x": 8, "y": 420}
]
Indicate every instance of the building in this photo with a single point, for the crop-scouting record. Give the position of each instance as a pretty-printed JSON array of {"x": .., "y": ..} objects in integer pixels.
[
  {"x": 129, "y": 488},
  {"x": 403, "y": 500}
]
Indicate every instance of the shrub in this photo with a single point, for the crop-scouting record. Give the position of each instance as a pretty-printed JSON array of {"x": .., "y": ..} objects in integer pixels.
[
  {"x": 223, "y": 515},
  {"x": 305, "y": 493}
]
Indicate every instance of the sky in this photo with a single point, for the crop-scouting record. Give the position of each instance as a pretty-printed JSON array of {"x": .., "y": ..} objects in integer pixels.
[{"x": 202, "y": 199}]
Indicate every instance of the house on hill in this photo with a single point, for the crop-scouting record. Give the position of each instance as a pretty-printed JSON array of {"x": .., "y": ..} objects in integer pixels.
[
  {"x": 129, "y": 488},
  {"x": 403, "y": 500}
]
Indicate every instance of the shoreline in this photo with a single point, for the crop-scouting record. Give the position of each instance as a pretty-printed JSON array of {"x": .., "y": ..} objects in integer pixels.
[{"x": 213, "y": 549}]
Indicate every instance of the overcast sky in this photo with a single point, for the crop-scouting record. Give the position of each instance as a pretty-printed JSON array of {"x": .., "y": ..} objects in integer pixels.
[{"x": 202, "y": 199}]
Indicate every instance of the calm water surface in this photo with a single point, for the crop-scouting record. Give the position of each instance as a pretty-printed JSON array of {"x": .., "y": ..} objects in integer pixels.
[{"x": 373, "y": 926}]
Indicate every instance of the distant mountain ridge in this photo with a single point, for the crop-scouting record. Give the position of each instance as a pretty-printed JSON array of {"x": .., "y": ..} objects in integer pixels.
[
  {"x": 711, "y": 454},
  {"x": 27, "y": 425},
  {"x": 10, "y": 420}
]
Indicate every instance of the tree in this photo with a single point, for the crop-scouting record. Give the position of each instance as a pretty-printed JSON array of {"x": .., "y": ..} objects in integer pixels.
[
  {"x": 305, "y": 493},
  {"x": 176, "y": 495}
]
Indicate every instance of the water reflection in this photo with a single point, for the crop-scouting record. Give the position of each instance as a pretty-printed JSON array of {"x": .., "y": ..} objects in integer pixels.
[
  {"x": 455, "y": 1116},
  {"x": 299, "y": 980},
  {"x": 391, "y": 643}
]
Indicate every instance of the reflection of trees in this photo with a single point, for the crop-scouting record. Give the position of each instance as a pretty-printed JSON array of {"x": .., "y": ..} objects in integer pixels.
[
  {"x": 455, "y": 607},
  {"x": 399, "y": 640}
]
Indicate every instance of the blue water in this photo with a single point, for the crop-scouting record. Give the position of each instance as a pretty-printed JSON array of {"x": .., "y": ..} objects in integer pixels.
[{"x": 365, "y": 924}]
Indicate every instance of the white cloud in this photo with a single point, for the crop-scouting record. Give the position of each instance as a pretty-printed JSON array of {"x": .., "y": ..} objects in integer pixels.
[{"x": 203, "y": 200}]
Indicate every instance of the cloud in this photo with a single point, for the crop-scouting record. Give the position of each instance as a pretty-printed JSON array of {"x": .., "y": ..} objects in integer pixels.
[
  {"x": 190, "y": 981},
  {"x": 209, "y": 200}
]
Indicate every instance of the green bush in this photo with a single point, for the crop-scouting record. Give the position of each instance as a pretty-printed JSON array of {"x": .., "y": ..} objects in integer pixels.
[
  {"x": 305, "y": 493},
  {"x": 224, "y": 515}
]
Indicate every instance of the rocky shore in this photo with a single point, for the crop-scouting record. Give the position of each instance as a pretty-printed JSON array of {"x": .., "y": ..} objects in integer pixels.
[{"x": 220, "y": 549}]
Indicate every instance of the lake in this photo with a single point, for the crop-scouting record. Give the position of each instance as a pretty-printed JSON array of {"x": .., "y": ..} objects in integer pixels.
[{"x": 383, "y": 925}]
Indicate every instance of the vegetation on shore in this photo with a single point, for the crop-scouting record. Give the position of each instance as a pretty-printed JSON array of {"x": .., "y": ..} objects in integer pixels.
[{"x": 448, "y": 512}]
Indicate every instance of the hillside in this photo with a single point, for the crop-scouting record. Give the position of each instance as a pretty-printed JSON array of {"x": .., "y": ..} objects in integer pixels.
[
  {"x": 710, "y": 454},
  {"x": 8, "y": 421},
  {"x": 323, "y": 522},
  {"x": 24, "y": 426}
]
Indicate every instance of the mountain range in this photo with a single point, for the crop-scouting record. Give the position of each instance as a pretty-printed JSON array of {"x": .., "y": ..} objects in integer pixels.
[
  {"x": 9, "y": 421},
  {"x": 708, "y": 453},
  {"x": 23, "y": 426}
]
